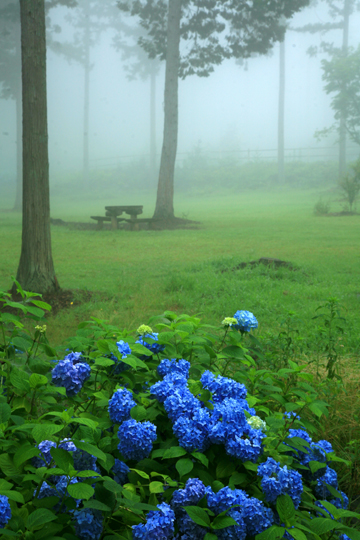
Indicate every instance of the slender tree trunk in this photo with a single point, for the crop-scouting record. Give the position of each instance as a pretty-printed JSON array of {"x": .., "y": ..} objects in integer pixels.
[
  {"x": 165, "y": 194},
  {"x": 153, "y": 120},
  {"x": 19, "y": 187},
  {"x": 36, "y": 269},
  {"x": 342, "y": 127},
  {"x": 86, "y": 93},
  {"x": 281, "y": 118}
]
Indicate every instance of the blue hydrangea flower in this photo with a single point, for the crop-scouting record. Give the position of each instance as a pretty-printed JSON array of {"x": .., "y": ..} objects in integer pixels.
[
  {"x": 193, "y": 433},
  {"x": 71, "y": 374},
  {"x": 251, "y": 516},
  {"x": 46, "y": 491},
  {"x": 120, "y": 471},
  {"x": 136, "y": 439},
  {"x": 246, "y": 321},
  {"x": 165, "y": 388},
  {"x": 123, "y": 348},
  {"x": 120, "y": 405},
  {"x": 330, "y": 478},
  {"x": 88, "y": 524},
  {"x": 190, "y": 495},
  {"x": 159, "y": 525},
  {"x": 153, "y": 347},
  {"x": 222, "y": 387},
  {"x": 5, "y": 511},
  {"x": 181, "y": 403},
  {"x": 174, "y": 366},
  {"x": 276, "y": 480},
  {"x": 44, "y": 448}
]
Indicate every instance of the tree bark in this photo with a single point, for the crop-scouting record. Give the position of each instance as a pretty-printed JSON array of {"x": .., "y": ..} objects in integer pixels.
[
  {"x": 153, "y": 121},
  {"x": 18, "y": 196},
  {"x": 342, "y": 126},
  {"x": 36, "y": 270},
  {"x": 164, "y": 208},
  {"x": 281, "y": 118},
  {"x": 86, "y": 93}
]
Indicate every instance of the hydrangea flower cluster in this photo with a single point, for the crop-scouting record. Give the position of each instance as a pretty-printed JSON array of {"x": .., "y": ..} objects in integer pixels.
[
  {"x": 159, "y": 525},
  {"x": 155, "y": 348},
  {"x": 120, "y": 471},
  {"x": 83, "y": 461},
  {"x": 322, "y": 491},
  {"x": 316, "y": 452},
  {"x": 250, "y": 514},
  {"x": 88, "y": 524},
  {"x": 276, "y": 480},
  {"x": 71, "y": 373},
  {"x": 5, "y": 511},
  {"x": 59, "y": 490},
  {"x": 195, "y": 426},
  {"x": 166, "y": 367},
  {"x": 245, "y": 321},
  {"x": 120, "y": 406},
  {"x": 136, "y": 439}
]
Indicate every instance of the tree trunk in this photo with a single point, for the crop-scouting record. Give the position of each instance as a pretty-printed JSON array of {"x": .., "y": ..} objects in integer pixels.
[
  {"x": 86, "y": 93},
  {"x": 281, "y": 118},
  {"x": 342, "y": 126},
  {"x": 165, "y": 194},
  {"x": 18, "y": 104},
  {"x": 36, "y": 269},
  {"x": 153, "y": 120}
]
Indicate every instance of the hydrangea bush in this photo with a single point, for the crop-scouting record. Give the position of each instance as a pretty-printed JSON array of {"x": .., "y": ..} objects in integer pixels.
[{"x": 173, "y": 434}]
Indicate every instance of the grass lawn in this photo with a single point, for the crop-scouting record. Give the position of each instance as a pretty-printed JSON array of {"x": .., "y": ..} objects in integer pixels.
[{"x": 194, "y": 271}]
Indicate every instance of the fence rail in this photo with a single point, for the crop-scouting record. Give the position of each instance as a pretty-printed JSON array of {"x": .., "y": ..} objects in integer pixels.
[{"x": 306, "y": 154}]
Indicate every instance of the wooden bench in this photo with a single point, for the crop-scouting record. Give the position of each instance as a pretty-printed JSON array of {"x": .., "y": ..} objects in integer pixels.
[{"x": 100, "y": 220}]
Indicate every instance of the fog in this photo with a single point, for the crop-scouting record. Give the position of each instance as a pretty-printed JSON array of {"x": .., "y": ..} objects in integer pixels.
[{"x": 233, "y": 111}]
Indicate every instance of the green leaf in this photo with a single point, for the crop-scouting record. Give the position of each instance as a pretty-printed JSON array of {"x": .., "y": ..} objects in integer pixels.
[
  {"x": 184, "y": 466},
  {"x": 41, "y": 304},
  {"x": 96, "y": 505},
  {"x": 37, "y": 380},
  {"x": 90, "y": 449},
  {"x": 62, "y": 458},
  {"x": 322, "y": 525},
  {"x": 286, "y": 509},
  {"x": 13, "y": 495},
  {"x": 198, "y": 515},
  {"x": 21, "y": 343},
  {"x": 225, "y": 468},
  {"x": 141, "y": 473},
  {"x": 38, "y": 518},
  {"x": 221, "y": 522},
  {"x": 85, "y": 422},
  {"x": 315, "y": 466},
  {"x": 138, "y": 413},
  {"x": 5, "y": 412},
  {"x": 7, "y": 466},
  {"x": 210, "y": 536},
  {"x": 156, "y": 487},
  {"x": 44, "y": 432},
  {"x": 19, "y": 380},
  {"x": 238, "y": 479},
  {"x": 272, "y": 533},
  {"x": 203, "y": 459},
  {"x": 80, "y": 491},
  {"x": 297, "y": 534},
  {"x": 174, "y": 452},
  {"x": 87, "y": 474},
  {"x": 25, "y": 452},
  {"x": 104, "y": 362}
]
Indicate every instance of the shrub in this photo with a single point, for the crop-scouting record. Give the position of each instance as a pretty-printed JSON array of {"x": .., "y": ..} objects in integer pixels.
[{"x": 187, "y": 440}]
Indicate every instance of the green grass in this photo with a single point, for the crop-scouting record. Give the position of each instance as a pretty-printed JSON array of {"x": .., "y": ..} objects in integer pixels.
[{"x": 146, "y": 272}]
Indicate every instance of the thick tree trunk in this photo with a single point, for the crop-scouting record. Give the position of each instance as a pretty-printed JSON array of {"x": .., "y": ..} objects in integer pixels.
[
  {"x": 165, "y": 194},
  {"x": 153, "y": 121},
  {"x": 86, "y": 93},
  {"x": 18, "y": 103},
  {"x": 342, "y": 126},
  {"x": 36, "y": 269},
  {"x": 281, "y": 119}
]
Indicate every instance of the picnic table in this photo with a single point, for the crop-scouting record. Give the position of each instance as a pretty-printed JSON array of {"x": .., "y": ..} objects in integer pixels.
[{"x": 113, "y": 213}]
